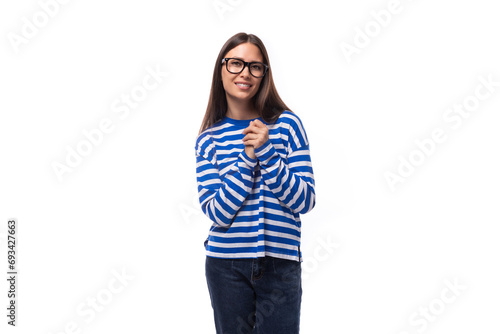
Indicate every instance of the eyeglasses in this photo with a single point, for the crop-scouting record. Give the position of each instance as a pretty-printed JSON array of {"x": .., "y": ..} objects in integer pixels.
[{"x": 235, "y": 66}]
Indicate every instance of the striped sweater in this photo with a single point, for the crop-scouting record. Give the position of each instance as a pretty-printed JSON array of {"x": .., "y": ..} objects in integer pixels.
[{"x": 255, "y": 204}]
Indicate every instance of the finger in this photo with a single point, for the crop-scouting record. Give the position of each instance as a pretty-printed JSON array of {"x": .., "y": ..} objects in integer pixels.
[
  {"x": 259, "y": 127},
  {"x": 258, "y": 131},
  {"x": 251, "y": 143},
  {"x": 250, "y": 136},
  {"x": 249, "y": 128},
  {"x": 258, "y": 123}
]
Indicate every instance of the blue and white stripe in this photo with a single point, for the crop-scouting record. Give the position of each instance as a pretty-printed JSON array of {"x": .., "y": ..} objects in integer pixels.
[{"x": 255, "y": 204}]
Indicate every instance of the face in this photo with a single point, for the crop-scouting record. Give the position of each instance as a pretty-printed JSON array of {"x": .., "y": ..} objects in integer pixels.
[{"x": 236, "y": 85}]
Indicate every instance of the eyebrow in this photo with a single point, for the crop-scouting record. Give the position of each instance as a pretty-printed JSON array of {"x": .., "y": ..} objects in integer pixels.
[{"x": 251, "y": 61}]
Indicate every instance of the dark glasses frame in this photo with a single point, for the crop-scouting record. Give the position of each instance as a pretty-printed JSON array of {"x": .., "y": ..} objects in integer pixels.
[{"x": 245, "y": 64}]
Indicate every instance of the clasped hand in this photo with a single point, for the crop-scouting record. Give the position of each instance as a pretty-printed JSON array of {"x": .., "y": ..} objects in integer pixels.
[{"x": 255, "y": 136}]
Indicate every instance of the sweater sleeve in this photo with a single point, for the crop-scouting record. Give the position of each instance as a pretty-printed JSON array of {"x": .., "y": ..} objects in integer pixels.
[
  {"x": 221, "y": 198},
  {"x": 291, "y": 179}
]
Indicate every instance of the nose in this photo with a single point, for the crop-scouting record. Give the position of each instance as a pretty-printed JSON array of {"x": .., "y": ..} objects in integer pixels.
[{"x": 246, "y": 70}]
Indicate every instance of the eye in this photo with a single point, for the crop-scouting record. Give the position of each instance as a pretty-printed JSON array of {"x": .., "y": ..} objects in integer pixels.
[
  {"x": 235, "y": 63},
  {"x": 257, "y": 67}
]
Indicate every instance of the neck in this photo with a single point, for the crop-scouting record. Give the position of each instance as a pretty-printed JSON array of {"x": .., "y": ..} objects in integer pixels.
[{"x": 241, "y": 110}]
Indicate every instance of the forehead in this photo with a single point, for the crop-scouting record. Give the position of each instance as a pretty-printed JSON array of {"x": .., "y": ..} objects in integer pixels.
[{"x": 245, "y": 51}]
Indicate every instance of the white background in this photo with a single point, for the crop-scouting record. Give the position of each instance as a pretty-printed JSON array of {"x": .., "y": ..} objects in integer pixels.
[{"x": 375, "y": 257}]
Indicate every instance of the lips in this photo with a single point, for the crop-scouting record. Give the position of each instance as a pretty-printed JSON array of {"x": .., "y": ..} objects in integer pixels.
[{"x": 243, "y": 85}]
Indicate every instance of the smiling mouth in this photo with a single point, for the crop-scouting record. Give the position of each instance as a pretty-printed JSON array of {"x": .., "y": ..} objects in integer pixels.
[{"x": 242, "y": 85}]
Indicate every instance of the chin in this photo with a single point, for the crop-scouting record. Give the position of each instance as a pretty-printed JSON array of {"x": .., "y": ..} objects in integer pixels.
[{"x": 243, "y": 96}]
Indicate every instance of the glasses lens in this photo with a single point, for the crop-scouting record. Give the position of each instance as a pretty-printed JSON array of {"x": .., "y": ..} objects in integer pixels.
[
  {"x": 257, "y": 69},
  {"x": 234, "y": 65}
]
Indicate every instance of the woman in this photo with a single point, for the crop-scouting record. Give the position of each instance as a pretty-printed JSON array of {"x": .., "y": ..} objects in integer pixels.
[{"x": 255, "y": 178}]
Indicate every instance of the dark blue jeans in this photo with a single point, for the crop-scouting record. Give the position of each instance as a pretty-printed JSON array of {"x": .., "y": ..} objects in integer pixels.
[{"x": 255, "y": 296}]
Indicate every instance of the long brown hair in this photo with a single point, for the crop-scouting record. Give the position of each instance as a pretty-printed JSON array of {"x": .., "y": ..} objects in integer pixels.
[{"x": 267, "y": 101}]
